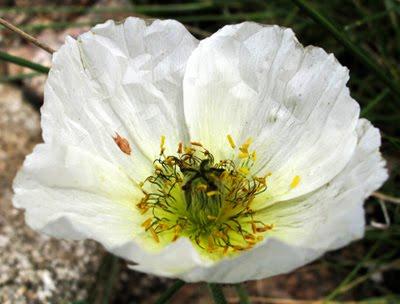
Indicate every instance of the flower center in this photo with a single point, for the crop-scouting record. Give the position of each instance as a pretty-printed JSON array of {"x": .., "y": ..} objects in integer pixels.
[{"x": 207, "y": 201}]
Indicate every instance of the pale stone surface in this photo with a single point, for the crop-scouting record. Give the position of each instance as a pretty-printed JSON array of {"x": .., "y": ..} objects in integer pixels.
[{"x": 33, "y": 267}]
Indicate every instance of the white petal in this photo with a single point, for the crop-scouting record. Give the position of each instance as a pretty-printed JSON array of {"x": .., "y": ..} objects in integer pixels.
[
  {"x": 69, "y": 193},
  {"x": 271, "y": 258},
  {"x": 181, "y": 261},
  {"x": 174, "y": 260},
  {"x": 253, "y": 81},
  {"x": 124, "y": 78},
  {"x": 333, "y": 216},
  {"x": 305, "y": 229}
]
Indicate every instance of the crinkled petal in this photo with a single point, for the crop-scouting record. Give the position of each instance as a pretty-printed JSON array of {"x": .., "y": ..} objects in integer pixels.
[
  {"x": 305, "y": 228},
  {"x": 253, "y": 81},
  {"x": 333, "y": 216},
  {"x": 124, "y": 78},
  {"x": 177, "y": 258},
  {"x": 70, "y": 193},
  {"x": 181, "y": 261}
]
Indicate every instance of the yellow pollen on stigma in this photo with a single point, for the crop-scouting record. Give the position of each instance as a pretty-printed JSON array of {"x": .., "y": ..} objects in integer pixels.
[{"x": 192, "y": 195}]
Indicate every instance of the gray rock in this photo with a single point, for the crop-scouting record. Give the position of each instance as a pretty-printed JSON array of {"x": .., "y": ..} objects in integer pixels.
[{"x": 33, "y": 267}]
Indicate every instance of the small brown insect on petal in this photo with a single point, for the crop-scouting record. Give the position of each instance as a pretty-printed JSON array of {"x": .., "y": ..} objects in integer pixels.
[{"x": 123, "y": 144}]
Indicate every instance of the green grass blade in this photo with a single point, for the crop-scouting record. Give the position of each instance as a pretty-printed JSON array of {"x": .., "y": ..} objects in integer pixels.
[
  {"x": 374, "y": 102},
  {"x": 23, "y": 62},
  {"x": 113, "y": 276},
  {"x": 365, "y": 20},
  {"x": 217, "y": 293},
  {"x": 242, "y": 293},
  {"x": 167, "y": 295},
  {"x": 226, "y": 18}
]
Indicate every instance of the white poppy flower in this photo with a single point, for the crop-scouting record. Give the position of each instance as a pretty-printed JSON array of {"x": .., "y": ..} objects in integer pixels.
[{"x": 238, "y": 157}]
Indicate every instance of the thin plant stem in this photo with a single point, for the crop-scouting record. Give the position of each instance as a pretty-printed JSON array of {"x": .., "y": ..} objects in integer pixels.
[
  {"x": 393, "y": 140},
  {"x": 217, "y": 293},
  {"x": 392, "y": 265},
  {"x": 386, "y": 198},
  {"x": 114, "y": 269},
  {"x": 354, "y": 272},
  {"x": 242, "y": 293},
  {"x": 226, "y": 18},
  {"x": 360, "y": 54},
  {"x": 94, "y": 294},
  {"x": 26, "y": 36},
  {"x": 374, "y": 102},
  {"x": 23, "y": 62},
  {"x": 366, "y": 20},
  {"x": 168, "y": 294}
]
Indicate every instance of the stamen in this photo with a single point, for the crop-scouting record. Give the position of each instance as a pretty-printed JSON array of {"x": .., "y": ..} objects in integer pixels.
[
  {"x": 212, "y": 193},
  {"x": 154, "y": 234},
  {"x": 146, "y": 224},
  {"x": 176, "y": 233},
  {"x": 196, "y": 143},
  {"x": 231, "y": 141},
  {"x": 243, "y": 155},
  {"x": 188, "y": 150},
  {"x": 244, "y": 170},
  {"x": 261, "y": 180},
  {"x": 250, "y": 239},
  {"x": 225, "y": 250},
  {"x": 163, "y": 226},
  {"x": 265, "y": 228},
  {"x": 295, "y": 182},
  {"x": 162, "y": 144},
  {"x": 253, "y": 227},
  {"x": 180, "y": 148},
  {"x": 253, "y": 156},
  {"x": 191, "y": 195},
  {"x": 144, "y": 210},
  {"x": 245, "y": 147}
]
